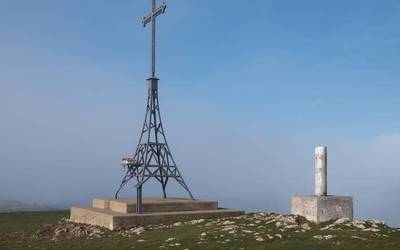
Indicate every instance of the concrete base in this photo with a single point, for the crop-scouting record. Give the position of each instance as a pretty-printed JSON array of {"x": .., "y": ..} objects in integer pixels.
[
  {"x": 115, "y": 214},
  {"x": 323, "y": 208},
  {"x": 155, "y": 205}
]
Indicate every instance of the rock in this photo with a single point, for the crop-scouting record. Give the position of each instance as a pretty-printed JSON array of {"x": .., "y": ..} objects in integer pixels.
[
  {"x": 196, "y": 221},
  {"x": 228, "y": 222},
  {"x": 258, "y": 238},
  {"x": 305, "y": 226},
  {"x": 325, "y": 228},
  {"x": 138, "y": 230},
  {"x": 357, "y": 237},
  {"x": 327, "y": 237},
  {"x": 341, "y": 221},
  {"x": 228, "y": 228},
  {"x": 268, "y": 222},
  {"x": 323, "y": 237},
  {"x": 64, "y": 229},
  {"x": 360, "y": 226},
  {"x": 371, "y": 230},
  {"x": 177, "y": 224},
  {"x": 291, "y": 226},
  {"x": 373, "y": 221},
  {"x": 203, "y": 234},
  {"x": 279, "y": 236}
]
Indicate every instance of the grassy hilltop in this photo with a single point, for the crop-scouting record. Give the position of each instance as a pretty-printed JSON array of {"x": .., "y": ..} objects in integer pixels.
[{"x": 50, "y": 230}]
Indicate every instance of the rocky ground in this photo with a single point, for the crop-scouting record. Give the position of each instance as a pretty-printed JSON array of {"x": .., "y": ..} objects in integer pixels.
[
  {"x": 251, "y": 231},
  {"x": 262, "y": 227}
]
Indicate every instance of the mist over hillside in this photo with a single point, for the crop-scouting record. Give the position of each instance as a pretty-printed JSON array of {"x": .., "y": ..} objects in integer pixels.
[{"x": 14, "y": 206}]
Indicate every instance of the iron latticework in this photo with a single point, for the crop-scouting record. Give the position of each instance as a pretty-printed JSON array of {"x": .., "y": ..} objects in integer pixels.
[{"x": 153, "y": 158}]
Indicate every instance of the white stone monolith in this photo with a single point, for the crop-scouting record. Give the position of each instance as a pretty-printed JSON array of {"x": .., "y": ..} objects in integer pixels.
[{"x": 321, "y": 171}]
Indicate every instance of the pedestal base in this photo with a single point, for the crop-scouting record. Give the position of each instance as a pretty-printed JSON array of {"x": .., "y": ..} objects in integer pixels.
[
  {"x": 121, "y": 213},
  {"x": 323, "y": 208}
]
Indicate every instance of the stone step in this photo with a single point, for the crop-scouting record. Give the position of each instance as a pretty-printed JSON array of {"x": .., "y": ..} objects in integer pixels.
[
  {"x": 115, "y": 220},
  {"x": 155, "y": 205}
]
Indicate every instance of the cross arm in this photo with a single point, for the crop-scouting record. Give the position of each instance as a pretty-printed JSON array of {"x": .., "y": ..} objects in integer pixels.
[{"x": 160, "y": 10}]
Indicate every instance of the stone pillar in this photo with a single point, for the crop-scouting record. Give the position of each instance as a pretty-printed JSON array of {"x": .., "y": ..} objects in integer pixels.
[
  {"x": 321, "y": 171},
  {"x": 321, "y": 207}
]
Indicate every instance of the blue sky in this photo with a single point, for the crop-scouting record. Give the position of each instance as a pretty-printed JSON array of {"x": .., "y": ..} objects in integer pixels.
[{"x": 247, "y": 89}]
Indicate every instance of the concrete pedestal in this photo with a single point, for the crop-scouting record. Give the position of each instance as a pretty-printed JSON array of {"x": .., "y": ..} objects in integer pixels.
[
  {"x": 121, "y": 213},
  {"x": 323, "y": 208}
]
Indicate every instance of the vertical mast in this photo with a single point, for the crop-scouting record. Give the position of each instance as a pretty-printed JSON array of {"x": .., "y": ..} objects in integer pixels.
[
  {"x": 153, "y": 158},
  {"x": 153, "y": 40}
]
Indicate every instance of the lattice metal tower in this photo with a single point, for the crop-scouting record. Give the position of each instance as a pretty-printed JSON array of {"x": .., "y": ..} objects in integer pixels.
[{"x": 153, "y": 158}]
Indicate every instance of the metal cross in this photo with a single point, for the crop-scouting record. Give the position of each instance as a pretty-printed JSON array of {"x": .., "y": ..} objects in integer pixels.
[{"x": 152, "y": 18}]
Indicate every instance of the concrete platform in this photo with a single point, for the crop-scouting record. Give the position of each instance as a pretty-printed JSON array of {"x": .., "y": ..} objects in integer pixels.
[
  {"x": 323, "y": 208},
  {"x": 155, "y": 205},
  {"x": 115, "y": 214}
]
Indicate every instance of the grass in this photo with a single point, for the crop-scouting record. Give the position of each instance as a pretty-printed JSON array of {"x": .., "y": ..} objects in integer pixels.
[{"x": 17, "y": 231}]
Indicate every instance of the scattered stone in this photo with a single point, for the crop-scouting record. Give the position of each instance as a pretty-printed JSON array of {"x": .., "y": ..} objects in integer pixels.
[
  {"x": 327, "y": 237},
  {"x": 360, "y": 226},
  {"x": 371, "y": 230},
  {"x": 318, "y": 237},
  {"x": 67, "y": 230},
  {"x": 269, "y": 222},
  {"x": 228, "y": 222},
  {"x": 177, "y": 224},
  {"x": 373, "y": 221},
  {"x": 305, "y": 226},
  {"x": 258, "y": 238},
  {"x": 325, "y": 228},
  {"x": 192, "y": 222},
  {"x": 341, "y": 221},
  {"x": 138, "y": 230},
  {"x": 323, "y": 237},
  {"x": 357, "y": 237}
]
